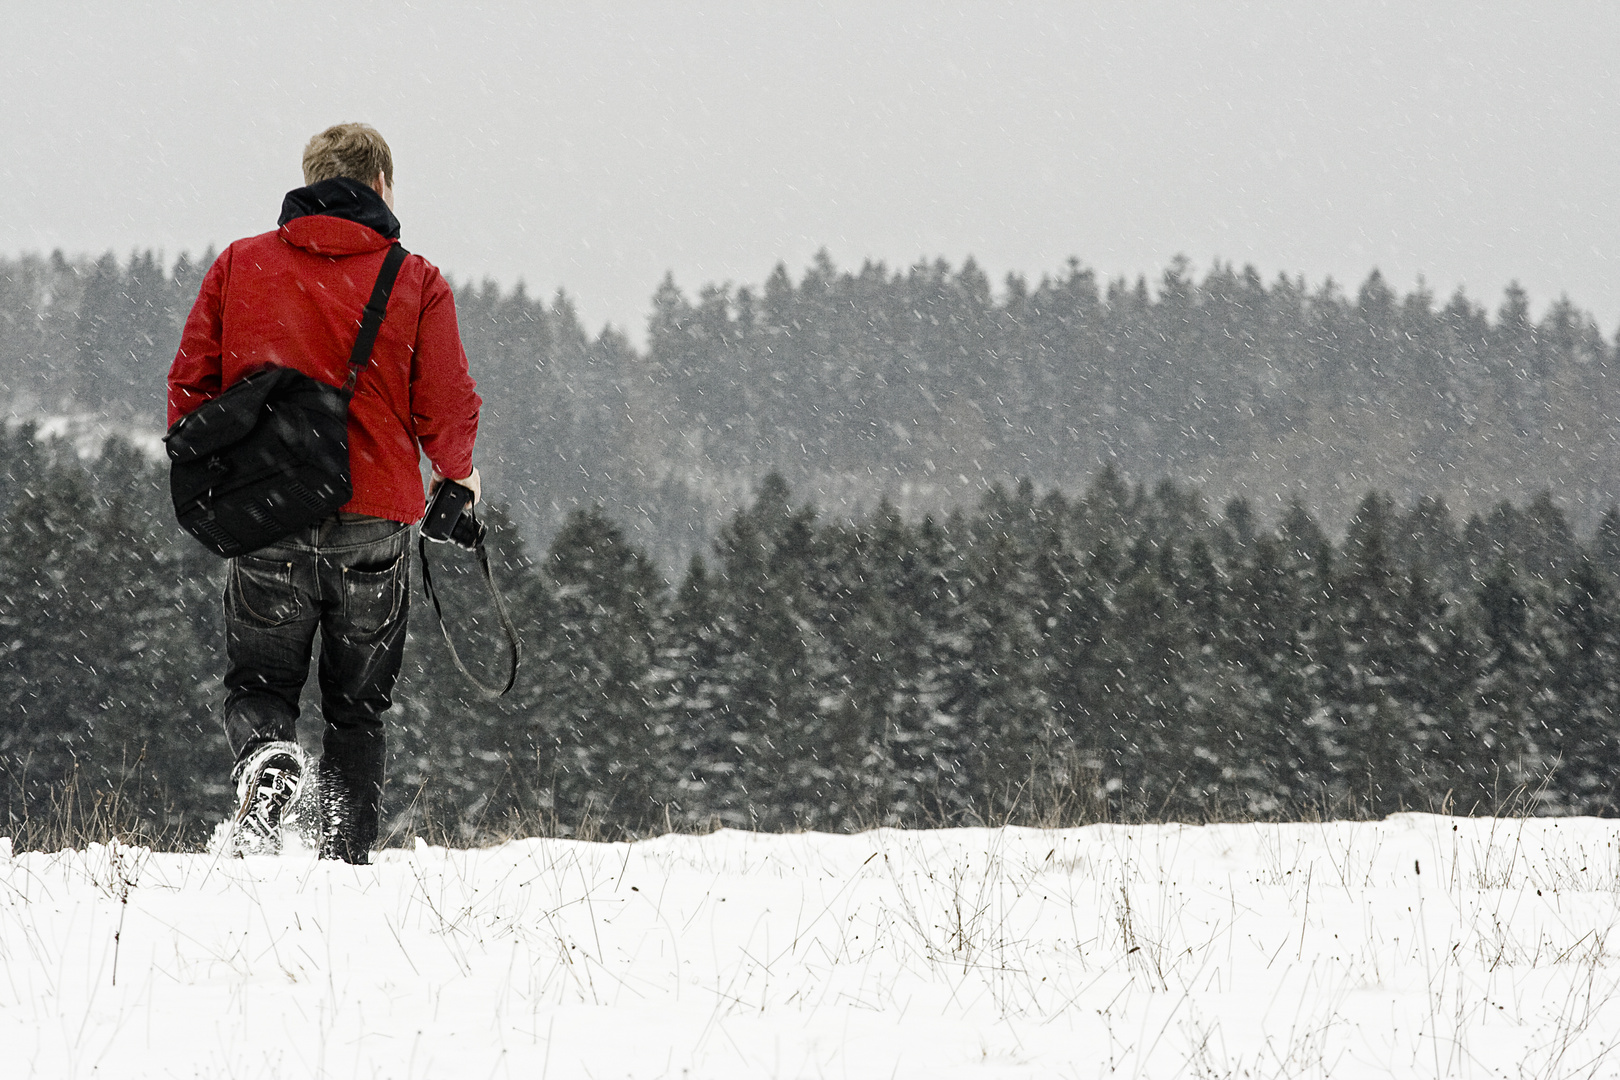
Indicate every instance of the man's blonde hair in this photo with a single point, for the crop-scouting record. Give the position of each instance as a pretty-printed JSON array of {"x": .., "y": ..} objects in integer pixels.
[{"x": 356, "y": 151}]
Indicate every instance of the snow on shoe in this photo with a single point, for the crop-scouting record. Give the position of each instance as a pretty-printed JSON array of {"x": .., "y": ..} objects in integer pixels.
[{"x": 271, "y": 780}]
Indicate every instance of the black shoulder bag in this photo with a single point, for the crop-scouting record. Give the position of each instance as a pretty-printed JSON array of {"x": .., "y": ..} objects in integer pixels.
[{"x": 270, "y": 455}]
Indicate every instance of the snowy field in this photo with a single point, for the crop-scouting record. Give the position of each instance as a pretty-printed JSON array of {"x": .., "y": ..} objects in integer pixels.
[{"x": 1417, "y": 946}]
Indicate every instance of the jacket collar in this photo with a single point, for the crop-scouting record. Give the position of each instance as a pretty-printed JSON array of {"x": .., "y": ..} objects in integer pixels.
[{"x": 341, "y": 198}]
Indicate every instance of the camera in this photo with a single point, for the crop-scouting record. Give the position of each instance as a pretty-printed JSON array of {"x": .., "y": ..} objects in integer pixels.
[{"x": 450, "y": 518}]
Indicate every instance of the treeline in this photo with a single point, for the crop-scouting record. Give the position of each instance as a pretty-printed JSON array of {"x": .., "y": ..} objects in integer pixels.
[
  {"x": 927, "y": 385},
  {"x": 1122, "y": 652},
  {"x": 79, "y": 336},
  {"x": 926, "y": 382}
]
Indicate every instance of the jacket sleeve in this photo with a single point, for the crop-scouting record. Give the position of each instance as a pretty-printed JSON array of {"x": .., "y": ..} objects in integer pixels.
[
  {"x": 444, "y": 398},
  {"x": 195, "y": 375}
]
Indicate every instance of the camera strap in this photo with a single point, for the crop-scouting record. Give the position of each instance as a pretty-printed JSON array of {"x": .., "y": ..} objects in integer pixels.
[{"x": 500, "y": 610}]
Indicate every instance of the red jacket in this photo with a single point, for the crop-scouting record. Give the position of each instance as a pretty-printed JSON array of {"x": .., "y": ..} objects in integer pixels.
[{"x": 295, "y": 297}]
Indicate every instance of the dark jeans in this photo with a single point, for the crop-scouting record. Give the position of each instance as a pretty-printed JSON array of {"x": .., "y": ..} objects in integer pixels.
[{"x": 350, "y": 577}]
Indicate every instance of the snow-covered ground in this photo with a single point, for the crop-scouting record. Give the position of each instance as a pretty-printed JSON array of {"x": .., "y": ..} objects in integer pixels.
[{"x": 1417, "y": 946}]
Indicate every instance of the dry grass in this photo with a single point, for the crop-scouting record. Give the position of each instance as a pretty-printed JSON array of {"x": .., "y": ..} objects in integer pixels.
[
  {"x": 80, "y": 811},
  {"x": 1067, "y": 793}
]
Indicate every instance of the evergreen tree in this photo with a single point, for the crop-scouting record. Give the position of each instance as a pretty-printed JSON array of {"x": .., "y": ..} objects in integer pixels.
[
  {"x": 609, "y": 760},
  {"x": 692, "y": 703},
  {"x": 97, "y": 338},
  {"x": 1437, "y": 671},
  {"x": 1381, "y": 751},
  {"x": 1509, "y": 667},
  {"x": 1579, "y": 703},
  {"x": 879, "y": 604},
  {"x": 771, "y": 664},
  {"x": 1283, "y": 765},
  {"x": 1605, "y": 548},
  {"x": 101, "y": 689},
  {"x": 1141, "y": 708},
  {"x": 914, "y": 610},
  {"x": 993, "y": 684}
]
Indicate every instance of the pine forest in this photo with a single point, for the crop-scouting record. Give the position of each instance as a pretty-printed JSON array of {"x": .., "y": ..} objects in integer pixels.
[{"x": 890, "y": 548}]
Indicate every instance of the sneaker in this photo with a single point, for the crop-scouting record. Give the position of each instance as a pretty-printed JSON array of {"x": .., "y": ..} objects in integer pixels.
[{"x": 270, "y": 781}]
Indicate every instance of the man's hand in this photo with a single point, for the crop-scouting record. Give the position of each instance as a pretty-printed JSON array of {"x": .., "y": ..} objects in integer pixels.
[{"x": 470, "y": 481}]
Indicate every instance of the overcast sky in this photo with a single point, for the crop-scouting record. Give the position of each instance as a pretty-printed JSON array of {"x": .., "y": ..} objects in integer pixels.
[{"x": 595, "y": 147}]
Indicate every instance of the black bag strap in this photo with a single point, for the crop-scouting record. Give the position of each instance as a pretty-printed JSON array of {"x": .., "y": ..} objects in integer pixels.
[
  {"x": 500, "y": 609},
  {"x": 376, "y": 309}
]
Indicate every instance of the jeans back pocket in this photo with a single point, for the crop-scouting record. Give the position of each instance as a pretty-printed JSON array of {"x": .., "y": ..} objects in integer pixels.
[
  {"x": 372, "y": 597},
  {"x": 261, "y": 590}
]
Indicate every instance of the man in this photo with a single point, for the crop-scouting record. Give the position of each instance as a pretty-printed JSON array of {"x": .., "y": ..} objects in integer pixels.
[{"x": 295, "y": 297}]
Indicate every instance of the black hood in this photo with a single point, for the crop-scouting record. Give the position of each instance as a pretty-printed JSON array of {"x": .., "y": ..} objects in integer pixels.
[{"x": 341, "y": 198}]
